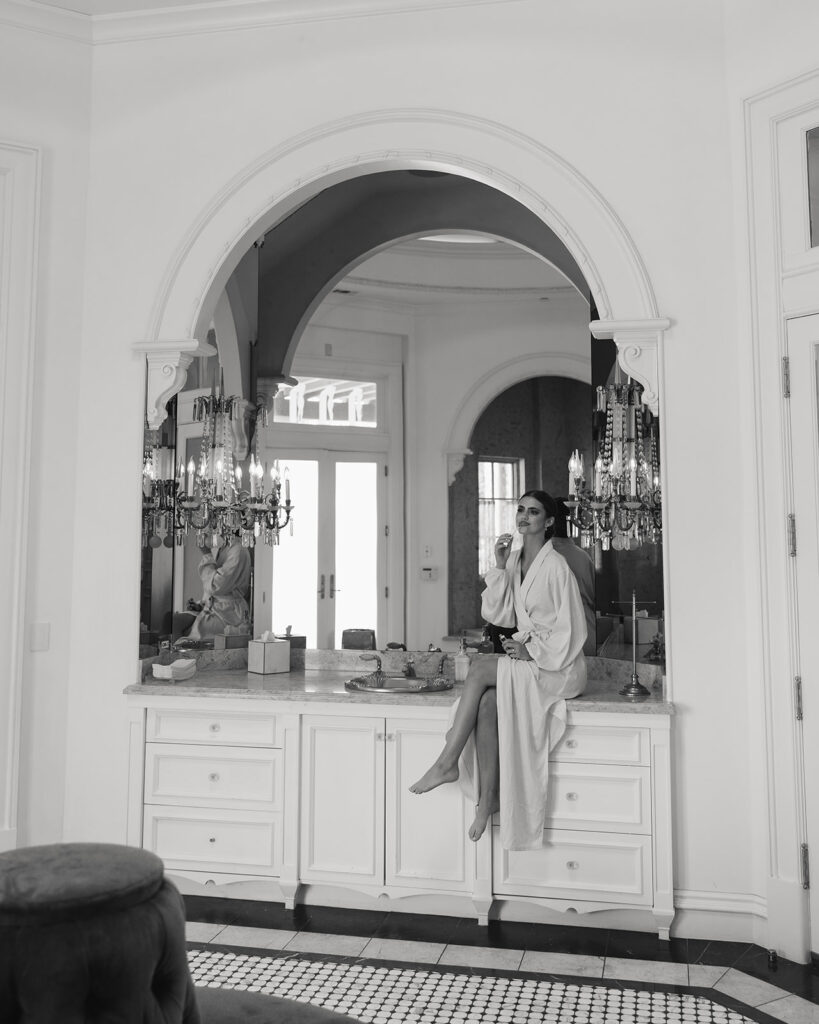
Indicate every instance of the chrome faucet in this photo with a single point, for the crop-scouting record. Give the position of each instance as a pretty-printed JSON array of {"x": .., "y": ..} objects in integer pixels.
[
  {"x": 409, "y": 669},
  {"x": 372, "y": 657},
  {"x": 441, "y": 665}
]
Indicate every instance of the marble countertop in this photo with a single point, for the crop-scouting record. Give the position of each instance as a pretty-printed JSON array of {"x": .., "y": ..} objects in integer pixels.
[{"x": 327, "y": 685}]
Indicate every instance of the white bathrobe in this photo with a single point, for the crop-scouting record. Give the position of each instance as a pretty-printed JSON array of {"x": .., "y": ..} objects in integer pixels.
[{"x": 547, "y": 609}]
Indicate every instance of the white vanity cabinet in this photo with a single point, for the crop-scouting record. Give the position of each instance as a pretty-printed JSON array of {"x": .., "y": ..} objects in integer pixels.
[
  {"x": 360, "y": 824},
  {"x": 211, "y": 777},
  {"x": 271, "y": 795},
  {"x": 607, "y": 841}
]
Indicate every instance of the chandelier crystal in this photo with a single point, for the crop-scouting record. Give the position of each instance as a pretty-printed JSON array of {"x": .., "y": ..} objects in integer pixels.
[
  {"x": 207, "y": 495},
  {"x": 620, "y": 507}
]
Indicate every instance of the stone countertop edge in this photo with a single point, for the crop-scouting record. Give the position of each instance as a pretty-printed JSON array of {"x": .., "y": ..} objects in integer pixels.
[{"x": 327, "y": 686}]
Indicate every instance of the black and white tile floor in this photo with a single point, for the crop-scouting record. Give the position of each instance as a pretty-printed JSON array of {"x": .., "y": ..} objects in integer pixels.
[{"x": 414, "y": 969}]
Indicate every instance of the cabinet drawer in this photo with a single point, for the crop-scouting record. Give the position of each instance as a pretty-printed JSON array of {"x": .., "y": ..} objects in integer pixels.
[
  {"x": 609, "y": 745},
  {"x": 600, "y": 866},
  {"x": 602, "y": 798},
  {"x": 245, "y": 842},
  {"x": 240, "y": 777},
  {"x": 212, "y": 727}
]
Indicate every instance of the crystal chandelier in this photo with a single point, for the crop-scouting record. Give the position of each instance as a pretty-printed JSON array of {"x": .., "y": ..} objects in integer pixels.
[
  {"x": 208, "y": 495},
  {"x": 158, "y": 488},
  {"x": 621, "y": 507}
]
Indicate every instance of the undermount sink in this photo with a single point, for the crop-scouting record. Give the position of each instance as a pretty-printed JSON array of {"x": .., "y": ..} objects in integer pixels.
[{"x": 380, "y": 682}]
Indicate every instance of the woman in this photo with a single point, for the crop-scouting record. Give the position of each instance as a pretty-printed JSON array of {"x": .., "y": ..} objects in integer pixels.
[
  {"x": 225, "y": 575},
  {"x": 534, "y": 589}
]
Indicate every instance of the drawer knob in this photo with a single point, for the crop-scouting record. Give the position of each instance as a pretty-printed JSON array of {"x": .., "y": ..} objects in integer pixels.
[
  {"x": 572, "y": 865},
  {"x": 571, "y": 744},
  {"x": 214, "y": 776},
  {"x": 571, "y": 796},
  {"x": 212, "y": 839},
  {"x": 215, "y": 727}
]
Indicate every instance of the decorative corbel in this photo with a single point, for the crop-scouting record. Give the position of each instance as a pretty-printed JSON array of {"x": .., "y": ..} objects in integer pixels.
[
  {"x": 455, "y": 463},
  {"x": 168, "y": 363},
  {"x": 637, "y": 344},
  {"x": 268, "y": 387}
]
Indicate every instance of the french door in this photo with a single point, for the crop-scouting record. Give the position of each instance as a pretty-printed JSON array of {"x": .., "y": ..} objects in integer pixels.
[
  {"x": 803, "y": 351},
  {"x": 330, "y": 572}
]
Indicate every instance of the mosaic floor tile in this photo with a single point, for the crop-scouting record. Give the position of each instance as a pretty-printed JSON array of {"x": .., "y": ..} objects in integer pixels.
[{"x": 399, "y": 994}]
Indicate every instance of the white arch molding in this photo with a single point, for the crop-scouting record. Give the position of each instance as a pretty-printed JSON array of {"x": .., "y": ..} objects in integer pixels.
[{"x": 266, "y": 191}]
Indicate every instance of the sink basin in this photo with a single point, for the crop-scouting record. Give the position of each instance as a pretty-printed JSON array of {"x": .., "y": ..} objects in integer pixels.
[{"x": 380, "y": 682}]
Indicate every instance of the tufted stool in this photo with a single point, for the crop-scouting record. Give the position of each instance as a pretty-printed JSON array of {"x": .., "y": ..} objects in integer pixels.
[{"x": 93, "y": 933}]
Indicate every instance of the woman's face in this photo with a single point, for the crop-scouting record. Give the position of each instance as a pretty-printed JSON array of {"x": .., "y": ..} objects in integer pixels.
[{"x": 531, "y": 517}]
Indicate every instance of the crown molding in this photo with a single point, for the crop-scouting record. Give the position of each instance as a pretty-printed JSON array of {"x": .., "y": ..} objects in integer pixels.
[{"x": 47, "y": 20}]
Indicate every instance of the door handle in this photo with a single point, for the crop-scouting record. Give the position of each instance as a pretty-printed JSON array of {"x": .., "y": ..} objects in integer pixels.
[
  {"x": 321, "y": 587},
  {"x": 332, "y": 584}
]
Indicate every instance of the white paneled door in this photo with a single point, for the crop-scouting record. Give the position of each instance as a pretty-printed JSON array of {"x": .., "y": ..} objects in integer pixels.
[
  {"x": 803, "y": 351},
  {"x": 330, "y": 573}
]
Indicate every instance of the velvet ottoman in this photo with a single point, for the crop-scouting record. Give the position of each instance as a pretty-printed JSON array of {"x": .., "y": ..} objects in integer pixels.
[{"x": 93, "y": 933}]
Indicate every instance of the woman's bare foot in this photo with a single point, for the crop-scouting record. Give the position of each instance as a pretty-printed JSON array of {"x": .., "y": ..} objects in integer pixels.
[
  {"x": 482, "y": 817},
  {"x": 437, "y": 775}
]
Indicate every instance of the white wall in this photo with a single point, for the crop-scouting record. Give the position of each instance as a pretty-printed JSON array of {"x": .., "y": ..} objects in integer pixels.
[
  {"x": 45, "y": 103},
  {"x": 639, "y": 100}
]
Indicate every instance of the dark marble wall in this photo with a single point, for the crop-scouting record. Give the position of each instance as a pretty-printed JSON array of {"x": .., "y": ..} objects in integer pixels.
[{"x": 539, "y": 420}]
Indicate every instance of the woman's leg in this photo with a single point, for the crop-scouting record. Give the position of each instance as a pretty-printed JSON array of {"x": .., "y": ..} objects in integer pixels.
[
  {"x": 486, "y": 743},
  {"x": 482, "y": 675}
]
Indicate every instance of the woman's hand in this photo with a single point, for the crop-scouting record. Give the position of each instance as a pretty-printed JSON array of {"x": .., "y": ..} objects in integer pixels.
[
  {"x": 516, "y": 650},
  {"x": 503, "y": 545}
]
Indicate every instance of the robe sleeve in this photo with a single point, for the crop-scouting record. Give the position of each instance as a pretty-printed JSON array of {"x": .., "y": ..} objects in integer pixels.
[
  {"x": 555, "y": 647},
  {"x": 497, "y": 600},
  {"x": 218, "y": 580}
]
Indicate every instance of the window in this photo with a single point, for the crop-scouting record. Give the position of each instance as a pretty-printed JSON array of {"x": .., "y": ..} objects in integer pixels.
[
  {"x": 500, "y": 483},
  {"x": 813, "y": 184},
  {"x": 327, "y": 402}
]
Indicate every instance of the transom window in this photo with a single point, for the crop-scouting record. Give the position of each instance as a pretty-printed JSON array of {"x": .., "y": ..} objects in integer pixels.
[
  {"x": 500, "y": 483},
  {"x": 327, "y": 402}
]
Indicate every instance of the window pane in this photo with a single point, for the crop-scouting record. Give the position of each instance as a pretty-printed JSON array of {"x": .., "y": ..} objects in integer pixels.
[
  {"x": 813, "y": 184},
  {"x": 295, "y": 559},
  {"x": 499, "y": 486},
  {"x": 327, "y": 402},
  {"x": 356, "y": 547}
]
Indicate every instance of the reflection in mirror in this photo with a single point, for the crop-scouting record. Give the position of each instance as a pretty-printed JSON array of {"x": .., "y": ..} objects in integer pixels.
[{"x": 476, "y": 354}]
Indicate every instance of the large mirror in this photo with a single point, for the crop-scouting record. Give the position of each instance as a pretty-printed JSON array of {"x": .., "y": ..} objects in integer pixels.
[{"x": 438, "y": 376}]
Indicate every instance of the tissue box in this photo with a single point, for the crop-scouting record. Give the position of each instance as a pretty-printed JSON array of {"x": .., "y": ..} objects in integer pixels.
[{"x": 268, "y": 656}]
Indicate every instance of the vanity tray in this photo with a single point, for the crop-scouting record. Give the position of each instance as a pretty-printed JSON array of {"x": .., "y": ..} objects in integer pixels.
[{"x": 380, "y": 682}]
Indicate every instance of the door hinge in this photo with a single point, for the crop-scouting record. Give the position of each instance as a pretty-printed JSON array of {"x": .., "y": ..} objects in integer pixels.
[
  {"x": 386, "y": 531},
  {"x": 797, "y": 696},
  {"x": 386, "y": 591},
  {"x": 786, "y": 376},
  {"x": 792, "y": 535},
  {"x": 386, "y": 470},
  {"x": 803, "y": 850}
]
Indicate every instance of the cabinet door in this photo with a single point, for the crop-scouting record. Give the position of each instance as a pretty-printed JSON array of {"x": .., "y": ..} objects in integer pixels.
[
  {"x": 342, "y": 800},
  {"x": 426, "y": 840}
]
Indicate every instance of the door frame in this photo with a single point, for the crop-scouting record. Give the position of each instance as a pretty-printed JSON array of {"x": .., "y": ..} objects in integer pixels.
[
  {"x": 783, "y": 282},
  {"x": 803, "y": 333},
  {"x": 386, "y": 440}
]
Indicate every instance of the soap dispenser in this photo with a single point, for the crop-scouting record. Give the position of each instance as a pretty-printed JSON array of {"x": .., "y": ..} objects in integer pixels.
[{"x": 461, "y": 661}]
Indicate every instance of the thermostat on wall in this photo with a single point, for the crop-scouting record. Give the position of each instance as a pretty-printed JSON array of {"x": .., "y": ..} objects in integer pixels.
[{"x": 429, "y": 573}]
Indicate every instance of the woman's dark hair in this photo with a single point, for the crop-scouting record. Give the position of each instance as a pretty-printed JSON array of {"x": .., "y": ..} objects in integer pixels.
[{"x": 549, "y": 506}]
